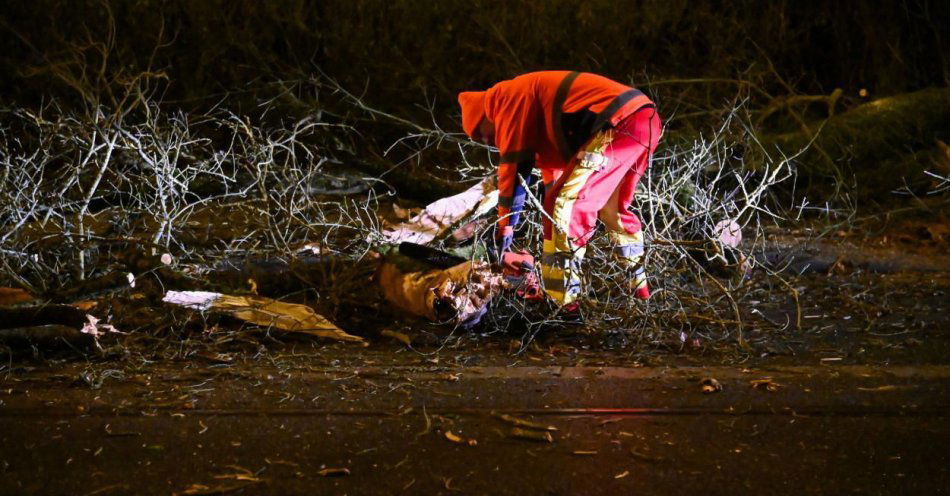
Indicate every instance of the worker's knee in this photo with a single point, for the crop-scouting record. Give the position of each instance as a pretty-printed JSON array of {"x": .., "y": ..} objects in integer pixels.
[{"x": 610, "y": 217}]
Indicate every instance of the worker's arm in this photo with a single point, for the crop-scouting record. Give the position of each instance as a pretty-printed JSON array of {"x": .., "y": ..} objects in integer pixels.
[
  {"x": 516, "y": 125},
  {"x": 514, "y": 174}
]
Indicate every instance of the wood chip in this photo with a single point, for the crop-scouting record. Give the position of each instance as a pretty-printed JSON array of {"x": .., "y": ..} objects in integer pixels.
[
  {"x": 334, "y": 472},
  {"x": 766, "y": 384},
  {"x": 525, "y": 423},
  {"x": 530, "y": 435},
  {"x": 459, "y": 440},
  {"x": 710, "y": 385}
]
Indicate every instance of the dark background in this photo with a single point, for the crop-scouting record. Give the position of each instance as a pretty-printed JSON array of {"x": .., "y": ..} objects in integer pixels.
[
  {"x": 700, "y": 61},
  {"x": 403, "y": 52}
]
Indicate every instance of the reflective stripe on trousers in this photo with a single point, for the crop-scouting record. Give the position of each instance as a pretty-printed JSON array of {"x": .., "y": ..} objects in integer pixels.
[{"x": 599, "y": 184}]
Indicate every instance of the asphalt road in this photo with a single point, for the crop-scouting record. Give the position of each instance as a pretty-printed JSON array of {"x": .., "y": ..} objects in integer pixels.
[{"x": 816, "y": 429}]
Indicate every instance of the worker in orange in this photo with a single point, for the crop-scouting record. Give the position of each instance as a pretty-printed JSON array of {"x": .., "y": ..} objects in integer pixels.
[{"x": 592, "y": 138}]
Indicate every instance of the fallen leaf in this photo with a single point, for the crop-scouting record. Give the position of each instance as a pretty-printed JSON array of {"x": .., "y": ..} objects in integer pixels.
[
  {"x": 623, "y": 474},
  {"x": 84, "y": 305},
  {"x": 710, "y": 385},
  {"x": 459, "y": 440},
  {"x": 840, "y": 267},
  {"x": 95, "y": 329},
  {"x": 889, "y": 387},
  {"x": 766, "y": 384},
  {"x": 525, "y": 423},
  {"x": 334, "y": 472},
  {"x": 239, "y": 476},
  {"x": 311, "y": 249},
  {"x": 529, "y": 435}
]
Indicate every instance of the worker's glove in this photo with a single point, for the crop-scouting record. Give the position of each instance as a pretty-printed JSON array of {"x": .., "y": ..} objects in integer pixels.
[{"x": 503, "y": 241}]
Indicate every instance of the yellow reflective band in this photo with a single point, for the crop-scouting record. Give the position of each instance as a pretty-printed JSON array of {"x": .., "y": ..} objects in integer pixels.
[
  {"x": 557, "y": 296},
  {"x": 625, "y": 238},
  {"x": 591, "y": 161}
]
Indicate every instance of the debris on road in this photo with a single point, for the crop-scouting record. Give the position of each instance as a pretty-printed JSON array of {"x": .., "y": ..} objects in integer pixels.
[
  {"x": 531, "y": 435},
  {"x": 93, "y": 328},
  {"x": 525, "y": 423},
  {"x": 765, "y": 384},
  {"x": 334, "y": 472},
  {"x": 710, "y": 385},
  {"x": 643, "y": 456},
  {"x": 459, "y": 439},
  {"x": 584, "y": 452},
  {"x": 51, "y": 323},
  {"x": 264, "y": 312},
  {"x": 205, "y": 490}
]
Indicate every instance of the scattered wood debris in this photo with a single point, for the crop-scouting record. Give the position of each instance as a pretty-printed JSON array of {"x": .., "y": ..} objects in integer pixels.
[
  {"x": 710, "y": 385},
  {"x": 459, "y": 439},
  {"x": 531, "y": 435},
  {"x": 334, "y": 472},
  {"x": 265, "y": 312},
  {"x": 525, "y": 423},
  {"x": 765, "y": 384}
]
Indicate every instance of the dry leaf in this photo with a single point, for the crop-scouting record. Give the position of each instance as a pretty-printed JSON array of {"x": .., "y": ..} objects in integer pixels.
[
  {"x": 526, "y": 423},
  {"x": 459, "y": 440},
  {"x": 539, "y": 436},
  {"x": 766, "y": 384},
  {"x": 95, "y": 329},
  {"x": 889, "y": 387},
  {"x": 710, "y": 385},
  {"x": 85, "y": 306},
  {"x": 334, "y": 472},
  {"x": 311, "y": 249}
]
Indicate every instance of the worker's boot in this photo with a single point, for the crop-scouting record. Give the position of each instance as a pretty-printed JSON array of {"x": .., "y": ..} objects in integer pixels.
[{"x": 631, "y": 257}]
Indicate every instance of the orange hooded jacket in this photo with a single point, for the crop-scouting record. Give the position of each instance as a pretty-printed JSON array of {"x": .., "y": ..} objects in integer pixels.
[{"x": 543, "y": 118}]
